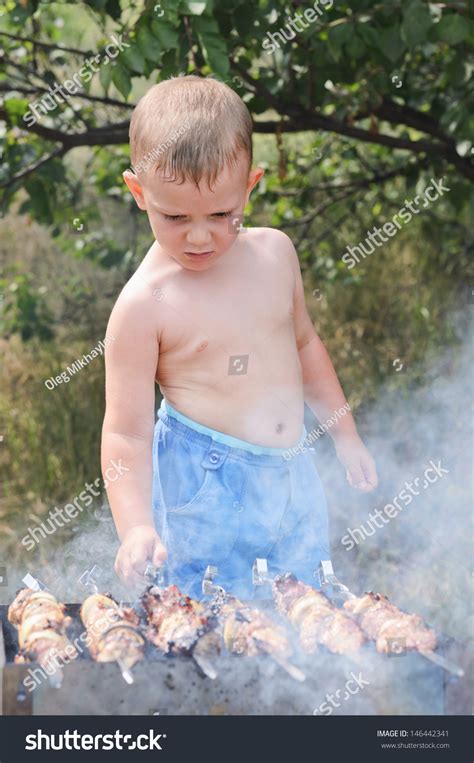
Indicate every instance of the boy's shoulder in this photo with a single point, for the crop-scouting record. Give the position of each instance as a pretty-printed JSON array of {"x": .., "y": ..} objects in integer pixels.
[
  {"x": 138, "y": 296},
  {"x": 276, "y": 244},
  {"x": 272, "y": 236}
]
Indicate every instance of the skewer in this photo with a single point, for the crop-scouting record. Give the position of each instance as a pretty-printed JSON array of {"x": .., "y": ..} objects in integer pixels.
[
  {"x": 328, "y": 580},
  {"x": 157, "y": 576},
  {"x": 56, "y": 678},
  {"x": 451, "y": 667},
  {"x": 88, "y": 580},
  {"x": 207, "y": 668},
  {"x": 292, "y": 670},
  {"x": 327, "y": 577},
  {"x": 126, "y": 673},
  {"x": 259, "y": 577},
  {"x": 34, "y": 583}
]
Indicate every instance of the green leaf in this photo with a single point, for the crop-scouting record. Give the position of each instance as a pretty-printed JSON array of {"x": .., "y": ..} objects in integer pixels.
[
  {"x": 370, "y": 35},
  {"x": 355, "y": 47},
  {"x": 15, "y": 108},
  {"x": 121, "y": 79},
  {"x": 165, "y": 33},
  {"x": 213, "y": 47},
  {"x": 391, "y": 44},
  {"x": 39, "y": 199},
  {"x": 416, "y": 22},
  {"x": 147, "y": 43},
  {"x": 133, "y": 59},
  {"x": 337, "y": 36},
  {"x": 105, "y": 77},
  {"x": 168, "y": 67},
  {"x": 452, "y": 29}
]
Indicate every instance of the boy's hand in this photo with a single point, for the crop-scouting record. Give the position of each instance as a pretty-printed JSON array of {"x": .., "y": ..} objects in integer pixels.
[
  {"x": 140, "y": 546},
  {"x": 360, "y": 466}
]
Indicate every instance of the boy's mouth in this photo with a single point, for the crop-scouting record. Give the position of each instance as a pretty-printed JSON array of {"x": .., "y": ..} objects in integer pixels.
[{"x": 199, "y": 255}]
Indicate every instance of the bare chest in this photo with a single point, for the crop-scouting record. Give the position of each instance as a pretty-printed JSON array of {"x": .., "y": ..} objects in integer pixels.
[{"x": 204, "y": 322}]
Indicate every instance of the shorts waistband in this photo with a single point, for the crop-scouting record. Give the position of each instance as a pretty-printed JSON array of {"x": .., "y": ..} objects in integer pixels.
[{"x": 221, "y": 437}]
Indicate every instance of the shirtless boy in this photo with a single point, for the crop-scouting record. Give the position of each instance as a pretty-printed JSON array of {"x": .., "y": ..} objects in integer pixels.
[{"x": 215, "y": 314}]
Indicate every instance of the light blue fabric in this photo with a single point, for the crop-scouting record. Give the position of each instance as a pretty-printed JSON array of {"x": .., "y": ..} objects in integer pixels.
[{"x": 217, "y": 503}]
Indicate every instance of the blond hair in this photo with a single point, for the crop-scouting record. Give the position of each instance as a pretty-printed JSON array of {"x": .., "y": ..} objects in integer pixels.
[{"x": 190, "y": 128}]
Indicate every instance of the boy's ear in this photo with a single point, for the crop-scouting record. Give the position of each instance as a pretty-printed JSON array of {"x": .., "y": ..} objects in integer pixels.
[
  {"x": 255, "y": 175},
  {"x": 135, "y": 188}
]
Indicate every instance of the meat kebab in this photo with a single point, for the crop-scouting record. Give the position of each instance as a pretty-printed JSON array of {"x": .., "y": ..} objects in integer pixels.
[{"x": 318, "y": 621}]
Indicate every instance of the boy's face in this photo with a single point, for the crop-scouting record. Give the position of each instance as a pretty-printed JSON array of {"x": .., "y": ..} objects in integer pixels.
[{"x": 195, "y": 226}]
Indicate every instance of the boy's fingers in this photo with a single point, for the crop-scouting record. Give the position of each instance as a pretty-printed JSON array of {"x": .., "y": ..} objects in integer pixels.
[
  {"x": 160, "y": 555},
  {"x": 371, "y": 473},
  {"x": 357, "y": 477},
  {"x": 131, "y": 575}
]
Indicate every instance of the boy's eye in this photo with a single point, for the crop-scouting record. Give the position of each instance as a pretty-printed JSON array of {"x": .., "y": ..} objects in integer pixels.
[{"x": 183, "y": 217}]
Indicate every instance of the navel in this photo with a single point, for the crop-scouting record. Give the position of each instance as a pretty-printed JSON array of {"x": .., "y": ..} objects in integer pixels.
[{"x": 279, "y": 428}]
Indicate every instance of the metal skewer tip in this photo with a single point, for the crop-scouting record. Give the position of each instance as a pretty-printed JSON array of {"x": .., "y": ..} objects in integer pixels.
[
  {"x": 126, "y": 673},
  {"x": 31, "y": 582},
  {"x": 56, "y": 678},
  {"x": 260, "y": 574},
  {"x": 88, "y": 580},
  {"x": 443, "y": 663},
  {"x": 292, "y": 670},
  {"x": 206, "y": 667},
  {"x": 157, "y": 576}
]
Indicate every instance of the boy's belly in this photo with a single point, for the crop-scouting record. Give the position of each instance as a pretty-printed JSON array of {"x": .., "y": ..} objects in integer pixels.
[{"x": 256, "y": 396}]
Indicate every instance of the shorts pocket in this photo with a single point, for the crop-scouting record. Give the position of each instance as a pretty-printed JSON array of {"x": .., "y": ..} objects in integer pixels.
[
  {"x": 205, "y": 529},
  {"x": 198, "y": 496},
  {"x": 181, "y": 476}
]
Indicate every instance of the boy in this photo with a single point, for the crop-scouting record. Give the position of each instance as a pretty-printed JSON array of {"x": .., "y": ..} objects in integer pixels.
[{"x": 215, "y": 314}]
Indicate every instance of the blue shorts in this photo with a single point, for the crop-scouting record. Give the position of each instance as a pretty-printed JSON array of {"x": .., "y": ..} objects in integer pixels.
[{"x": 222, "y": 501}]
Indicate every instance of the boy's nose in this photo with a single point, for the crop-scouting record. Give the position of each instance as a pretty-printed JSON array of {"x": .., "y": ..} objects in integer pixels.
[{"x": 198, "y": 235}]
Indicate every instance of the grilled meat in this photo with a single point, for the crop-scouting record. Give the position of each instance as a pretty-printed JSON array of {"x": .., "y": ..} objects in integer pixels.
[
  {"x": 113, "y": 631},
  {"x": 177, "y": 623},
  {"x": 250, "y": 631},
  {"x": 316, "y": 619},
  {"x": 41, "y": 625},
  {"x": 382, "y": 621}
]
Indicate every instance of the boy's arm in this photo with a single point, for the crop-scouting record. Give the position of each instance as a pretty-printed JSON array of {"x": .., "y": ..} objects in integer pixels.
[
  {"x": 127, "y": 433},
  {"x": 324, "y": 394}
]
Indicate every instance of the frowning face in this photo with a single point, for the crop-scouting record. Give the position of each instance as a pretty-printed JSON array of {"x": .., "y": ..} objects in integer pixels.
[{"x": 195, "y": 225}]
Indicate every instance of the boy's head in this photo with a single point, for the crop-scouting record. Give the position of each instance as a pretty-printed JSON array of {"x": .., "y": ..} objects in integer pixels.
[{"x": 191, "y": 151}]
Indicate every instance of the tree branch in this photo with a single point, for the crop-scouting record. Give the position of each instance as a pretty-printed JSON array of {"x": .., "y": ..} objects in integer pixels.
[
  {"x": 46, "y": 45},
  {"x": 33, "y": 167},
  {"x": 5, "y": 88}
]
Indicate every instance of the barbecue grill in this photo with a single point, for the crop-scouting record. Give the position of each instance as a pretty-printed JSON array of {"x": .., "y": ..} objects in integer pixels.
[{"x": 398, "y": 684}]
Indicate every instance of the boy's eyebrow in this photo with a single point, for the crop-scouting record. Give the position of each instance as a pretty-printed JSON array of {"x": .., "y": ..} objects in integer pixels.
[{"x": 184, "y": 214}]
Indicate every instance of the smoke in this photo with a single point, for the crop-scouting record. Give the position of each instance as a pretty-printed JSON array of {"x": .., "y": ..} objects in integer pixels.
[{"x": 420, "y": 558}]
